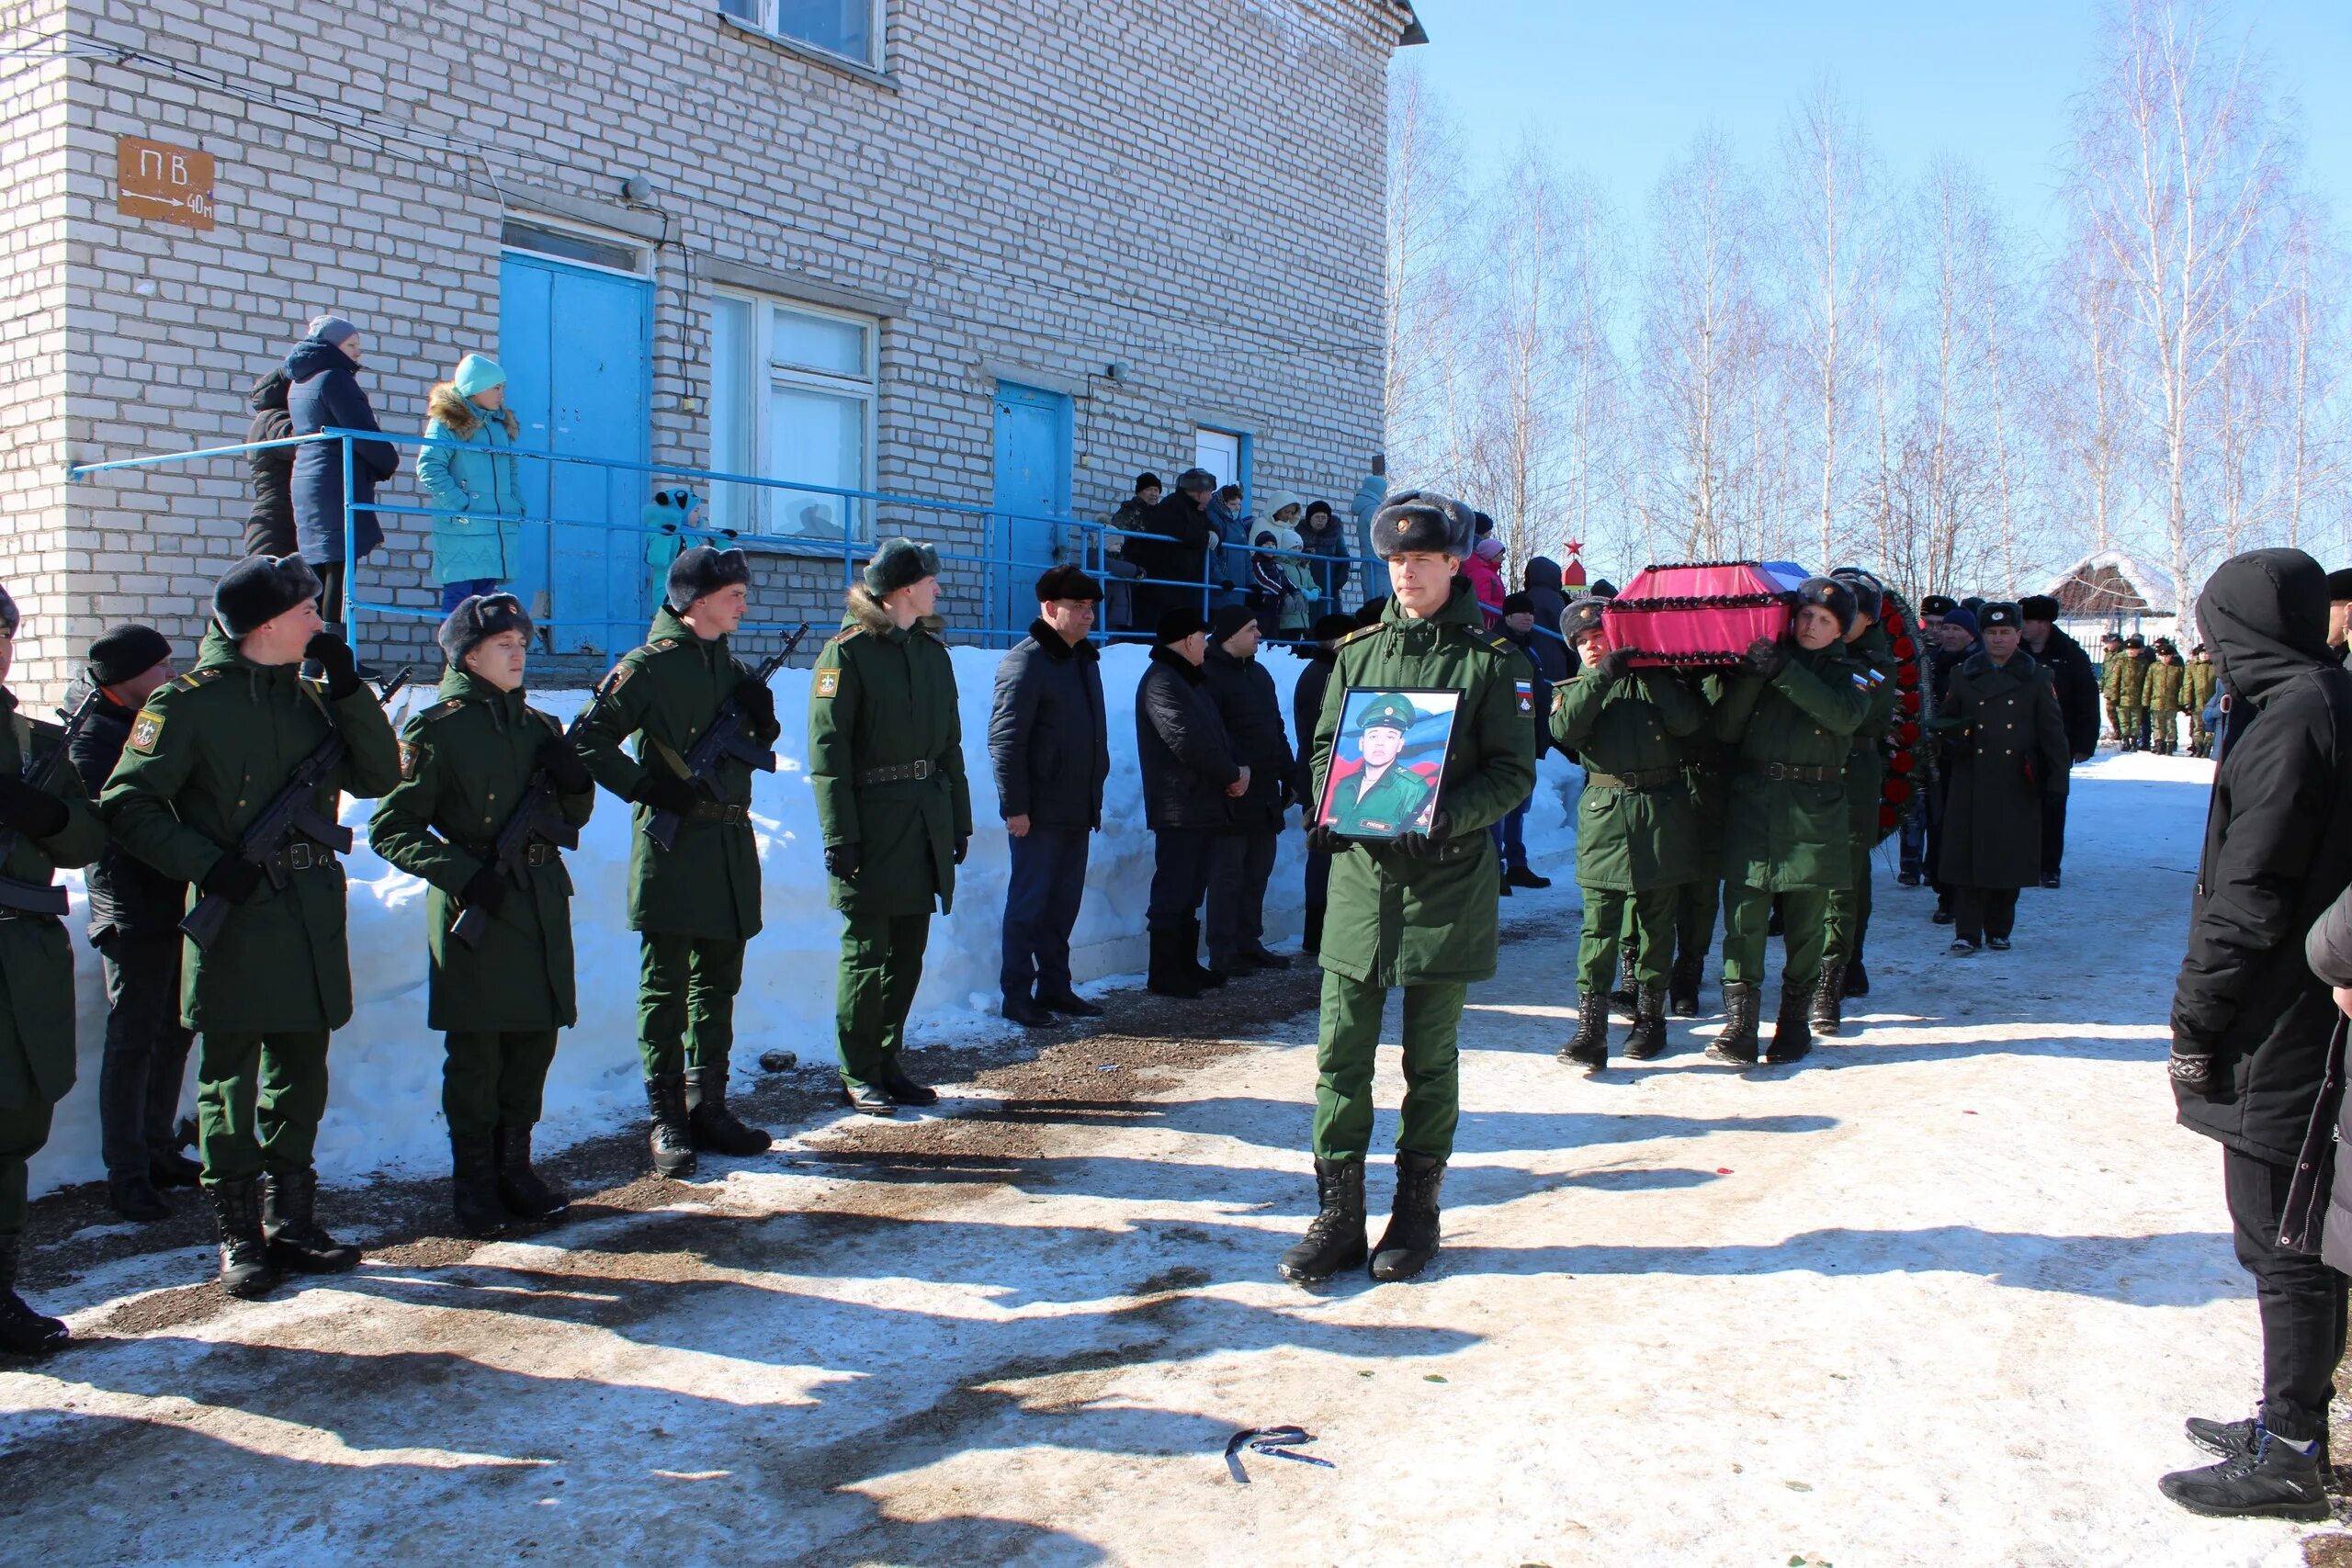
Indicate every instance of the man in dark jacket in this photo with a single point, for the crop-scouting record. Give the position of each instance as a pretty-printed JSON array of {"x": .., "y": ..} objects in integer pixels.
[
  {"x": 1321, "y": 652},
  {"x": 1242, "y": 857},
  {"x": 269, "y": 526},
  {"x": 1176, "y": 553},
  {"x": 1519, "y": 629},
  {"x": 2078, "y": 697},
  {"x": 2007, "y": 750},
  {"x": 1190, "y": 777},
  {"x": 2251, "y": 1024},
  {"x": 1320, "y": 533},
  {"x": 1545, "y": 602},
  {"x": 2339, "y": 614},
  {"x": 325, "y": 395},
  {"x": 1052, "y": 752},
  {"x": 134, "y": 924},
  {"x": 1955, "y": 644}
]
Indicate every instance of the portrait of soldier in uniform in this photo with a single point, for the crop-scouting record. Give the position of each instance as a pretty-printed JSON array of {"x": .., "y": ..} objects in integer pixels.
[{"x": 1384, "y": 776}]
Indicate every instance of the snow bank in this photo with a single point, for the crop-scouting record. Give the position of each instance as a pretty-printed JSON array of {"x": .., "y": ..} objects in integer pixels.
[{"x": 384, "y": 1113}]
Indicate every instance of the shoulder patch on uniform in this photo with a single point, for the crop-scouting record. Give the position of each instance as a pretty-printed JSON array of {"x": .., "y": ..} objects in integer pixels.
[
  {"x": 547, "y": 719},
  {"x": 661, "y": 645},
  {"x": 828, "y": 682},
  {"x": 1359, "y": 633},
  {"x": 1496, "y": 642},
  {"x": 1559, "y": 698},
  {"x": 440, "y": 710},
  {"x": 195, "y": 679},
  {"x": 411, "y": 757},
  {"x": 146, "y": 730},
  {"x": 1526, "y": 696},
  {"x": 846, "y": 633},
  {"x": 618, "y": 677}
]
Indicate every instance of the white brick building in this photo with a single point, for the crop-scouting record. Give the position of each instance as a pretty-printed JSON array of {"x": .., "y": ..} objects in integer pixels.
[{"x": 870, "y": 243}]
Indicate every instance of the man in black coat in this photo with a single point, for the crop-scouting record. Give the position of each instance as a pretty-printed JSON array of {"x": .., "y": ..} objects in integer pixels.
[
  {"x": 134, "y": 924},
  {"x": 1521, "y": 629},
  {"x": 1178, "y": 553},
  {"x": 1546, "y": 603},
  {"x": 1190, "y": 777},
  {"x": 1047, "y": 738},
  {"x": 2251, "y": 1024},
  {"x": 2077, "y": 684},
  {"x": 1955, "y": 645},
  {"x": 1321, "y": 652},
  {"x": 1242, "y": 857}
]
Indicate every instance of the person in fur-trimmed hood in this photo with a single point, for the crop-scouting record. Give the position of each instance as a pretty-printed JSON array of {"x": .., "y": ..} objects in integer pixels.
[
  {"x": 885, "y": 758},
  {"x": 470, "y": 477}
]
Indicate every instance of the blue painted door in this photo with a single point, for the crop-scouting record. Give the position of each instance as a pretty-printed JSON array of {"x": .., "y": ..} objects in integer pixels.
[
  {"x": 1033, "y": 454},
  {"x": 577, "y": 348}
]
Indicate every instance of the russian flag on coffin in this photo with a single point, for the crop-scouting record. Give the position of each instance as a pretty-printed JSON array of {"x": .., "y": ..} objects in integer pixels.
[{"x": 1697, "y": 616}]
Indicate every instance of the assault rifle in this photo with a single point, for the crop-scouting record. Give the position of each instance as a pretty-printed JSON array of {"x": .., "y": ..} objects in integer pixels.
[
  {"x": 724, "y": 739},
  {"x": 290, "y": 811},
  {"x": 510, "y": 852},
  {"x": 42, "y": 897}
]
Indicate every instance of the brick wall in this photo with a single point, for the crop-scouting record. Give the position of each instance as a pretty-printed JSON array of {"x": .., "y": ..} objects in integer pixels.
[
  {"x": 1027, "y": 183},
  {"x": 34, "y": 563}
]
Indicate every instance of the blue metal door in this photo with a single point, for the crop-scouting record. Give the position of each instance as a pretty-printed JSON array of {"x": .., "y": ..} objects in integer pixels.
[
  {"x": 1033, "y": 454},
  {"x": 577, "y": 348}
]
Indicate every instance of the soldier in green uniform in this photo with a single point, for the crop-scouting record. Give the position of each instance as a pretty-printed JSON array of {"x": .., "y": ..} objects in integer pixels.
[
  {"x": 886, "y": 759},
  {"x": 2199, "y": 680},
  {"x": 1417, "y": 911},
  {"x": 1706, "y": 768},
  {"x": 206, "y": 756},
  {"x": 465, "y": 762},
  {"x": 2166, "y": 683},
  {"x": 1381, "y": 797},
  {"x": 1637, "y": 829},
  {"x": 694, "y": 905},
  {"x": 1791, "y": 713},
  {"x": 1849, "y": 907},
  {"x": 2132, "y": 690},
  {"x": 46, "y": 826}
]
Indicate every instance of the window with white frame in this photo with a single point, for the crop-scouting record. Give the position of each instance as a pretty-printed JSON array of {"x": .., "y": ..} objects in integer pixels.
[
  {"x": 851, "y": 28},
  {"x": 792, "y": 395}
]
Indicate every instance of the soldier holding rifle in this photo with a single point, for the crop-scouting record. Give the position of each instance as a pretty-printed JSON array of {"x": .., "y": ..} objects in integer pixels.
[
  {"x": 240, "y": 749},
  {"x": 491, "y": 791}
]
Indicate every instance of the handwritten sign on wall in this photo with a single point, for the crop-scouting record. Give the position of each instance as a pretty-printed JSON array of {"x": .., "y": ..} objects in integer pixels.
[{"x": 170, "y": 185}]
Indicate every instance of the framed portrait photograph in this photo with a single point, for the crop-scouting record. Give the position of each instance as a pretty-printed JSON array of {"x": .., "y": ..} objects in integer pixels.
[{"x": 1387, "y": 761}]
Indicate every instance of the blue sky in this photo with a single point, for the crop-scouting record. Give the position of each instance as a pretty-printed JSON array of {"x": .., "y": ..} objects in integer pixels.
[{"x": 1620, "y": 88}]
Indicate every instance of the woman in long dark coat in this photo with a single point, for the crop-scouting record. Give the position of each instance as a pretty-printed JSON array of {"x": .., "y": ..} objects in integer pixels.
[{"x": 2007, "y": 749}]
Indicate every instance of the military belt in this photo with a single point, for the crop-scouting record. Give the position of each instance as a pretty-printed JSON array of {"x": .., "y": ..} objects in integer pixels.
[
  {"x": 1795, "y": 773},
  {"x": 1640, "y": 779},
  {"x": 915, "y": 769},
  {"x": 539, "y": 851},
  {"x": 302, "y": 855},
  {"x": 713, "y": 811}
]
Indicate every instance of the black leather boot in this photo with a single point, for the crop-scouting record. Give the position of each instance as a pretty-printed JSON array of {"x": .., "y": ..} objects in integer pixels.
[
  {"x": 1411, "y": 1239},
  {"x": 247, "y": 1270},
  {"x": 1621, "y": 994},
  {"x": 1174, "y": 973},
  {"x": 1683, "y": 984},
  {"x": 710, "y": 1125},
  {"x": 1588, "y": 1048},
  {"x": 1648, "y": 1041},
  {"x": 1829, "y": 1001},
  {"x": 671, "y": 1145},
  {"x": 1335, "y": 1237},
  {"x": 132, "y": 1194},
  {"x": 1792, "y": 1030},
  {"x": 2273, "y": 1480},
  {"x": 290, "y": 1221},
  {"x": 24, "y": 1331},
  {"x": 1858, "y": 980},
  {"x": 1208, "y": 978},
  {"x": 526, "y": 1195},
  {"x": 1737, "y": 1045},
  {"x": 473, "y": 1185}
]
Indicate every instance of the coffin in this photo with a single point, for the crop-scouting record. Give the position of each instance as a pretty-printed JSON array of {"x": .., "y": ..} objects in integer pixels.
[{"x": 1704, "y": 613}]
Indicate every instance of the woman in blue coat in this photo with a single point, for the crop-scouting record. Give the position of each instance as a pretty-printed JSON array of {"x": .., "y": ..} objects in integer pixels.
[
  {"x": 470, "y": 479},
  {"x": 326, "y": 396}
]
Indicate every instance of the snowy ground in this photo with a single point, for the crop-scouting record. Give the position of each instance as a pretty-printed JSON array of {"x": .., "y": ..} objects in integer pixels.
[{"x": 1940, "y": 1295}]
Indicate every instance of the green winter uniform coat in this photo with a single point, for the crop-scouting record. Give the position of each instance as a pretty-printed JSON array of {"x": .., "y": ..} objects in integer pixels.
[
  {"x": 206, "y": 756},
  {"x": 464, "y": 763},
  {"x": 1865, "y": 763},
  {"x": 1788, "y": 833},
  {"x": 883, "y": 700},
  {"x": 2166, "y": 682},
  {"x": 1391, "y": 919},
  {"x": 1637, "y": 822},
  {"x": 2005, "y": 746},
  {"x": 2198, "y": 683},
  {"x": 666, "y": 693},
  {"x": 36, "y": 958}
]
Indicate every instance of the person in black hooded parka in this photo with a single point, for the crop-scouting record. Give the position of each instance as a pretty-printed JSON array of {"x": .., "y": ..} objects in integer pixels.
[{"x": 2251, "y": 1023}]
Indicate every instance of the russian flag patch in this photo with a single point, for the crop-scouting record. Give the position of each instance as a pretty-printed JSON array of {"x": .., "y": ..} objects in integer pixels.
[{"x": 1526, "y": 695}]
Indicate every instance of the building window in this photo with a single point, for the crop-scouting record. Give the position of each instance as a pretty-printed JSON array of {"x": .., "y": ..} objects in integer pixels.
[
  {"x": 851, "y": 28},
  {"x": 573, "y": 245},
  {"x": 792, "y": 396}
]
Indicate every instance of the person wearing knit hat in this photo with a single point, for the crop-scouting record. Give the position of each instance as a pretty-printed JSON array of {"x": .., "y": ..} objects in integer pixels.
[
  {"x": 134, "y": 924},
  {"x": 894, "y": 814},
  {"x": 1173, "y": 546},
  {"x": 470, "y": 479},
  {"x": 695, "y": 905},
  {"x": 1241, "y": 859},
  {"x": 1191, "y": 775},
  {"x": 323, "y": 394},
  {"x": 265, "y": 992},
  {"x": 498, "y": 943}
]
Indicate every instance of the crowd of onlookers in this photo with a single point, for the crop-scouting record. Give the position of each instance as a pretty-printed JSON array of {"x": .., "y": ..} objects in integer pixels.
[{"x": 1202, "y": 545}]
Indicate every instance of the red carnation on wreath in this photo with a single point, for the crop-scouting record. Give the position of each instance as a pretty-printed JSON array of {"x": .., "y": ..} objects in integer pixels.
[
  {"x": 1908, "y": 701},
  {"x": 1906, "y": 735},
  {"x": 1886, "y": 820},
  {"x": 1901, "y": 762},
  {"x": 1897, "y": 791},
  {"x": 1907, "y": 677},
  {"x": 1905, "y": 647}
]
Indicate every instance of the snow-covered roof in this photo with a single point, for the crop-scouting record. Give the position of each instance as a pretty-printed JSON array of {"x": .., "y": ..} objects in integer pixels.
[{"x": 2111, "y": 583}]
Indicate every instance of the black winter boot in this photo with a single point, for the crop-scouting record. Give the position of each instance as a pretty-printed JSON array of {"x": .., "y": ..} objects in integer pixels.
[
  {"x": 1737, "y": 1045},
  {"x": 24, "y": 1331},
  {"x": 1648, "y": 1041},
  {"x": 473, "y": 1185},
  {"x": 2231, "y": 1439},
  {"x": 1590, "y": 1047},
  {"x": 526, "y": 1193},
  {"x": 1829, "y": 1001},
  {"x": 1683, "y": 984},
  {"x": 1208, "y": 978},
  {"x": 708, "y": 1122},
  {"x": 133, "y": 1195},
  {"x": 290, "y": 1221},
  {"x": 1411, "y": 1239},
  {"x": 1622, "y": 995},
  {"x": 672, "y": 1145},
  {"x": 1311, "y": 942},
  {"x": 2273, "y": 1480},
  {"x": 247, "y": 1270},
  {"x": 1335, "y": 1237},
  {"x": 1858, "y": 982},
  {"x": 1792, "y": 1032},
  {"x": 1172, "y": 972}
]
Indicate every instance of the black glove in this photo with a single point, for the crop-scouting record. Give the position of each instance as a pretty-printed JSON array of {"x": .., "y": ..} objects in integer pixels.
[
  {"x": 1614, "y": 665},
  {"x": 842, "y": 860},
  {"x": 962, "y": 845},
  {"x": 666, "y": 792},
  {"x": 233, "y": 877},
  {"x": 565, "y": 770},
  {"x": 2192, "y": 1068},
  {"x": 754, "y": 702},
  {"x": 335, "y": 658},
  {"x": 484, "y": 890},
  {"x": 1428, "y": 845},
  {"x": 1766, "y": 658},
  {"x": 30, "y": 809},
  {"x": 1324, "y": 840}
]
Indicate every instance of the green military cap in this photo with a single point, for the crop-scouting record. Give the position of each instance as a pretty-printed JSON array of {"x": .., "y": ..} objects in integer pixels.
[{"x": 1387, "y": 711}]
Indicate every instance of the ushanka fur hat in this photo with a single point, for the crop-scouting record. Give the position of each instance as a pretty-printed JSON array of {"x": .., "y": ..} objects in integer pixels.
[
  {"x": 1830, "y": 595},
  {"x": 1869, "y": 592},
  {"x": 703, "y": 570},
  {"x": 258, "y": 590},
  {"x": 478, "y": 620},
  {"x": 898, "y": 564},
  {"x": 1422, "y": 520},
  {"x": 1582, "y": 615}
]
